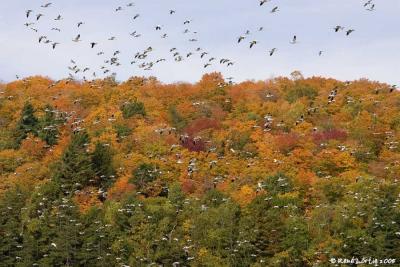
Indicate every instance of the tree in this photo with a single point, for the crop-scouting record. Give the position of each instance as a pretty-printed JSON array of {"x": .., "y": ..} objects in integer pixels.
[
  {"x": 278, "y": 184},
  {"x": 75, "y": 168},
  {"x": 102, "y": 164},
  {"x": 133, "y": 108},
  {"x": 299, "y": 91},
  {"x": 48, "y": 130},
  {"x": 144, "y": 174},
  {"x": 176, "y": 119},
  {"x": 27, "y": 124},
  {"x": 11, "y": 241}
]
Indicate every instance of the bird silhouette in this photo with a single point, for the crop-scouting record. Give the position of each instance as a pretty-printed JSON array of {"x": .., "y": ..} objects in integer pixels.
[
  {"x": 46, "y": 5},
  {"x": 77, "y": 38},
  {"x": 294, "y": 40},
  {"x": 28, "y": 12},
  {"x": 253, "y": 43},
  {"x": 274, "y": 10}
]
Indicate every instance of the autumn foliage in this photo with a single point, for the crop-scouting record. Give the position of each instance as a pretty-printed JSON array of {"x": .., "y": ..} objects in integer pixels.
[{"x": 278, "y": 172}]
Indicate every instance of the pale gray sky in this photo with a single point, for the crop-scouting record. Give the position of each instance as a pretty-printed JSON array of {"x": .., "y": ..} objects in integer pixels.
[{"x": 372, "y": 51}]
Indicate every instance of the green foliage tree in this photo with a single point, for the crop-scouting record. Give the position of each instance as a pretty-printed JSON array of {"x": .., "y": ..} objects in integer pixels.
[
  {"x": 11, "y": 227},
  {"x": 278, "y": 184},
  {"x": 176, "y": 119},
  {"x": 75, "y": 168},
  {"x": 299, "y": 91},
  {"x": 144, "y": 174},
  {"x": 48, "y": 130},
  {"x": 102, "y": 164},
  {"x": 27, "y": 124},
  {"x": 133, "y": 108}
]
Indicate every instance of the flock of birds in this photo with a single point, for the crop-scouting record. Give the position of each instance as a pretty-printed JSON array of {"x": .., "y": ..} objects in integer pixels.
[
  {"x": 143, "y": 58},
  {"x": 140, "y": 57}
]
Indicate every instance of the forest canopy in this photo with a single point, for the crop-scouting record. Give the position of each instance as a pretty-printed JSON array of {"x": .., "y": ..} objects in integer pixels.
[{"x": 282, "y": 172}]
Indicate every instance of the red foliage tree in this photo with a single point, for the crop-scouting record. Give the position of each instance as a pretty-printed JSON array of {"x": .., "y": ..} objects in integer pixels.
[
  {"x": 202, "y": 124},
  {"x": 286, "y": 142},
  {"x": 329, "y": 135},
  {"x": 188, "y": 186},
  {"x": 194, "y": 144}
]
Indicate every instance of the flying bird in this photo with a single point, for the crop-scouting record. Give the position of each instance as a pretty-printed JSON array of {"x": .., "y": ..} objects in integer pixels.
[
  {"x": 272, "y": 51},
  {"x": 275, "y": 9},
  {"x": 54, "y": 45},
  {"x": 338, "y": 28},
  {"x": 80, "y": 24},
  {"x": 371, "y": 8},
  {"x": 77, "y": 38},
  {"x": 253, "y": 43},
  {"x": 92, "y": 44},
  {"x": 294, "y": 40},
  {"x": 41, "y": 38},
  {"x": 46, "y": 5},
  {"x": 28, "y": 12},
  {"x": 367, "y": 3},
  {"x": 349, "y": 32},
  {"x": 38, "y": 16}
]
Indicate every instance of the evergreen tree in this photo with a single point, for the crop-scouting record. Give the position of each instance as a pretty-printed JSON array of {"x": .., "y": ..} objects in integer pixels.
[
  {"x": 11, "y": 238},
  {"x": 27, "y": 124},
  {"x": 48, "y": 127},
  {"x": 103, "y": 165},
  {"x": 75, "y": 168},
  {"x": 133, "y": 108},
  {"x": 40, "y": 222}
]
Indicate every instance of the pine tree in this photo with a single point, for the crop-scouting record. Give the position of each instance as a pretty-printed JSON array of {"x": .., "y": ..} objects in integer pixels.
[
  {"x": 103, "y": 165},
  {"x": 11, "y": 241},
  {"x": 75, "y": 168},
  {"x": 27, "y": 124},
  {"x": 48, "y": 127}
]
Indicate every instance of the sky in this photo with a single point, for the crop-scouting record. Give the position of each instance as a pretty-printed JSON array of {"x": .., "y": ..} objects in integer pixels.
[{"x": 371, "y": 51}]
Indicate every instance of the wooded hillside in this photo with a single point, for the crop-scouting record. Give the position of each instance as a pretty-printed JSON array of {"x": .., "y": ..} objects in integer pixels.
[{"x": 283, "y": 172}]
